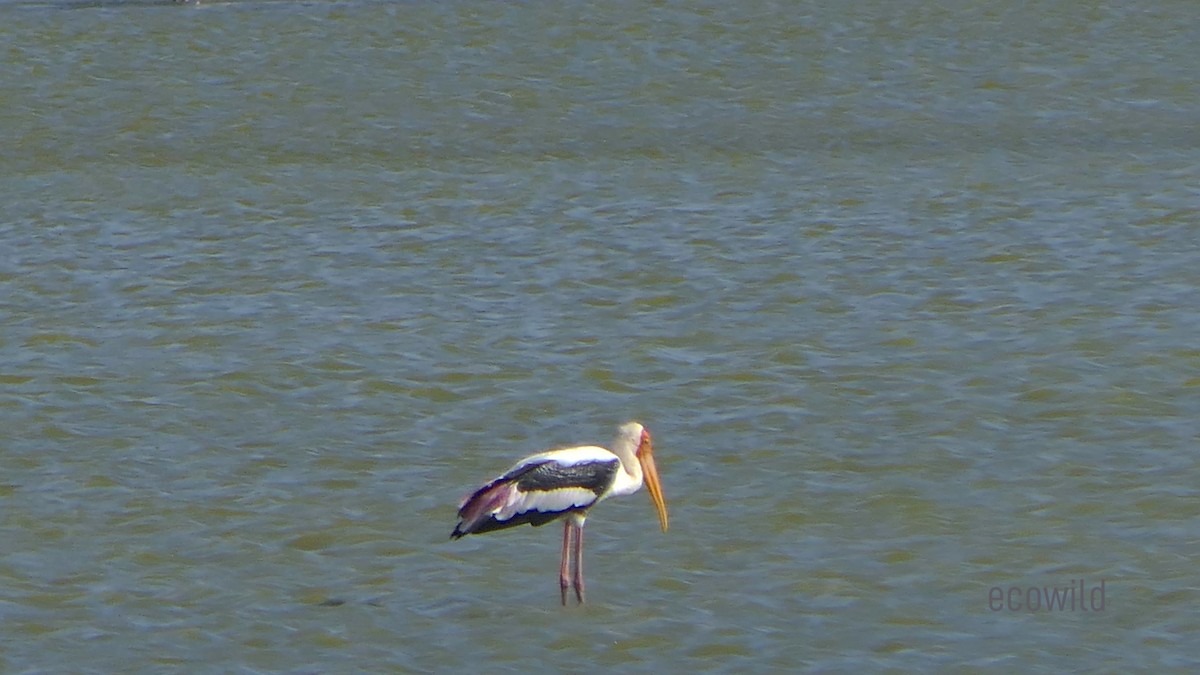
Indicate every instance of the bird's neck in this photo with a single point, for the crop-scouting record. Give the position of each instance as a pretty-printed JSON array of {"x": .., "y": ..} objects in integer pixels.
[{"x": 631, "y": 467}]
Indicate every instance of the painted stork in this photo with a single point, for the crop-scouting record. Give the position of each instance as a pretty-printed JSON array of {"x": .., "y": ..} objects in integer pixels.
[{"x": 565, "y": 484}]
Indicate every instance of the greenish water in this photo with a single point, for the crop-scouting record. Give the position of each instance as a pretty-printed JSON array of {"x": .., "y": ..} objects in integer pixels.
[{"x": 905, "y": 292}]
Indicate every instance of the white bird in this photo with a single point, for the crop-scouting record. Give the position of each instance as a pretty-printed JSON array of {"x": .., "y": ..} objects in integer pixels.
[{"x": 565, "y": 484}]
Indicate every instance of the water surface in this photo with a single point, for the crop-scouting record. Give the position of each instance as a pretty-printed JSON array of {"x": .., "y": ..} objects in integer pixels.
[{"x": 905, "y": 293}]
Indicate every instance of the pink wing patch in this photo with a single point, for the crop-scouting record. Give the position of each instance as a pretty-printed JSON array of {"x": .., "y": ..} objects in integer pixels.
[{"x": 481, "y": 505}]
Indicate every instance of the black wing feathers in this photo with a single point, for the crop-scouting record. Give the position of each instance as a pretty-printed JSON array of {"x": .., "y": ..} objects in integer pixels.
[
  {"x": 545, "y": 476},
  {"x": 594, "y": 476}
]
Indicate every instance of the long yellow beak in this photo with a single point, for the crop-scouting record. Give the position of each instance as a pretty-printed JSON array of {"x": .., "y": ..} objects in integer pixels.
[{"x": 650, "y": 474}]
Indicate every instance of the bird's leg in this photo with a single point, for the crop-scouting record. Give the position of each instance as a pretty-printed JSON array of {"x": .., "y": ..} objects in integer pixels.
[
  {"x": 578, "y": 564},
  {"x": 563, "y": 580}
]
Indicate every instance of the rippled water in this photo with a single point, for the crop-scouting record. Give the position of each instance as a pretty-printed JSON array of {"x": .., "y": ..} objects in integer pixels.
[{"x": 906, "y": 293}]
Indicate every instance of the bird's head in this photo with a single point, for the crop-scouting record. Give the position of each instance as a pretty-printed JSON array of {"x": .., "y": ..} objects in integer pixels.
[{"x": 639, "y": 437}]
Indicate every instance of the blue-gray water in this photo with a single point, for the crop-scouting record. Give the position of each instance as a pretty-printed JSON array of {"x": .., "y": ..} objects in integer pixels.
[{"x": 906, "y": 292}]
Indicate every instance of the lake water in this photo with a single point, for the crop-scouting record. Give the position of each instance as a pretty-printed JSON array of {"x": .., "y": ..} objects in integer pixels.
[{"x": 906, "y": 292}]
